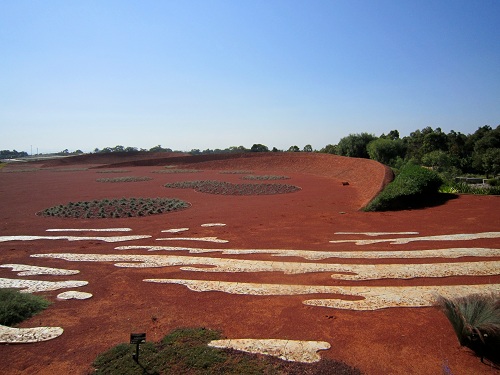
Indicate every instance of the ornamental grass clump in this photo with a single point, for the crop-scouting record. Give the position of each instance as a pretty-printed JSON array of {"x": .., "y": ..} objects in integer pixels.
[
  {"x": 414, "y": 186},
  {"x": 476, "y": 321},
  {"x": 16, "y": 307},
  {"x": 115, "y": 208}
]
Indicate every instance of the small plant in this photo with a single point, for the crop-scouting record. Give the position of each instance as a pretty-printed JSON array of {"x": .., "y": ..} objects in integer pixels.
[
  {"x": 16, "y": 306},
  {"x": 476, "y": 322}
]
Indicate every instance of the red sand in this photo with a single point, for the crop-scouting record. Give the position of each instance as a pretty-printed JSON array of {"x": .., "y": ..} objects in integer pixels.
[{"x": 388, "y": 341}]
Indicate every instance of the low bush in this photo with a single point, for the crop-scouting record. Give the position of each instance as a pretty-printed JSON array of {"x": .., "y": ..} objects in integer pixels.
[
  {"x": 186, "y": 351},
  {"x": 477, "y": 189},
  {"x": 115, "y": 208},
  {"x": 16, "y": 306},
  {"x": 228, "y": 188},
  {"x": 476, "y": 322},
  {"x": 411, "y": 188}
]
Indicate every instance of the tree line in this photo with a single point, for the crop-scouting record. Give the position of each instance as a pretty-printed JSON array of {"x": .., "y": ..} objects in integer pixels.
[{"x": 453, "y": 153}]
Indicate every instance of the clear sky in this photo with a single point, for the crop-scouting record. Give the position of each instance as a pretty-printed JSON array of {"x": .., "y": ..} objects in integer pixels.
[{"x": 213, "y": 74}]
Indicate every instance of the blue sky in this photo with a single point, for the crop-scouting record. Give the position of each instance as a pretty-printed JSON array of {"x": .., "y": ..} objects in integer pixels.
[{"x": 214, "y": 74}]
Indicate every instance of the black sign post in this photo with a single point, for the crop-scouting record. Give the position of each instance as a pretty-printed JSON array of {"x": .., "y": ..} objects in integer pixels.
[{"x": 137, "y": 338}]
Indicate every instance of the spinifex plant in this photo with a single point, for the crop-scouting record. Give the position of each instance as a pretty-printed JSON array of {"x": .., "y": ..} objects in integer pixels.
[
  {"x": 476, "y": 322},
  {"x": 228, "y": 188},
  {"x": 115, "y": 208}
]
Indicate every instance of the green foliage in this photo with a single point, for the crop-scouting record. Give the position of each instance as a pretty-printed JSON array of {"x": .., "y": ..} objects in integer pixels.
[
  {"x": 480, "y": 189},
  {"x": 476, "y": 322},
  {"x": 186, "y": 351},
  {"x": 257, "y": 147},
  {"x": 16, "y": 306},
  {"x": 355, "y": 145},
  {"x": 228, "y": 188},
  {"x": 410, "y": 188},
  {"x": 386, "y": 151}
]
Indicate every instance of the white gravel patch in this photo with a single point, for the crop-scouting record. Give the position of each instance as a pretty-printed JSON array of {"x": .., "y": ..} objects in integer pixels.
[
  {"x": 9, "y": 335},
  {"x": 90, "y": 230},
  {"x": 375, "y": 234},
  {"x": 374, "y": 297},
  {"x": 445, "y": 237},
  {"x": 289, "y": 350},
  {"x": 213, "y": 225},
  {"x": 72, "y": 238},
  {"x": 175, "y": 230},
  {"x": 204, "y": 239},
  {"x": 27, "y": 270},
  {"x": 33, "y": 286},
  {"x": 317, "y": 255},
  {"x": 341, "y": 271},
  {"x": 72, "y": 294}
]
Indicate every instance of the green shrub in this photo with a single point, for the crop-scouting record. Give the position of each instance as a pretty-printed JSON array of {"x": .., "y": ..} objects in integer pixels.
[
  {"x": 186, "y": 351},
  {"x": 16, "y": 306},
  {"x": 411, "y": 187},
  {"x": 476, "y": 322}
]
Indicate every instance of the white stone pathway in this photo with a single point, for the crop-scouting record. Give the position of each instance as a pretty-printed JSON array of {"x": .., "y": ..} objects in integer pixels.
[
  {"x": 73, "y": 238},
  {"x": 317, "y": 255},
  {"x": 289, "y": 350},
  {"x": 9, "y": 335},
  {"x": 90, "y": 230},
  {"x": 342, "y": 271},
  {"x": 32, "y": 286},
  {"x": 374, "y": 297},
  {"x": 204, "y": 239},
  {"x": 445, "y": 237},
  {"x": 27, "y": 270},
  {"x": 375, "y": 234}
]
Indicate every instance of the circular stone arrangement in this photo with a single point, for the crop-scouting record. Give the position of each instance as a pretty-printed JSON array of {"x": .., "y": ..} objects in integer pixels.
[
  {"x": 115, "y": 208},
  {"x": 228, "y": 188}
]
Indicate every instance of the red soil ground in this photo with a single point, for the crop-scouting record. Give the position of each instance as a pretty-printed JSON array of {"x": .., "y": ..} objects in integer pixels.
[{"x": 387, "y": 341}]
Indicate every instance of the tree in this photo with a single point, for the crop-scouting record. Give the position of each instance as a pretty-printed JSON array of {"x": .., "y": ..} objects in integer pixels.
[
  {"x": 355, "y": 145},
  {"x": 293, "y": 149},
  {"x": 491, "y": 161},
  {"x": 329, "y": 149},
  {"x": 257, "y": 147},
  {"x": 308, "y": 148},
  {"x": 385, "y": 150}
]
